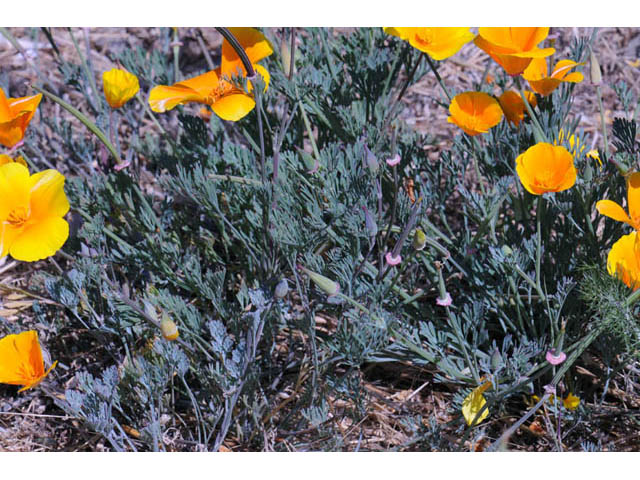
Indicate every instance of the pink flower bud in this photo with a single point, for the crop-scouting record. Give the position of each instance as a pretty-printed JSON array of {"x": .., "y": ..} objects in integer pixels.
[
  {"x": 391, "y": 260},
  {"x": 446, "y": 301},
  {"x": 393, "y": 161},
  {"x": 554, "y": 359}
]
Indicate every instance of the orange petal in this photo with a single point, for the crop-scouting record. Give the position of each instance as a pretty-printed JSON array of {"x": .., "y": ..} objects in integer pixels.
[
  {"x": 611, "y": 209},
  {"x": 40, "y": 240},
  {"x": 633, "y": 199},
  {"x": 254, "y": 43},
  {"x": 233, "y": 107},
  {"x": 163, "y": 98}
]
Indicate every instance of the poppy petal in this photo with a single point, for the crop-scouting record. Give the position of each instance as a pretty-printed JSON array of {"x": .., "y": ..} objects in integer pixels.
[
  {"x": 611, "y": 209},
  {"x": 233, "y": 107},
  {"x": 40, "y": 240}
]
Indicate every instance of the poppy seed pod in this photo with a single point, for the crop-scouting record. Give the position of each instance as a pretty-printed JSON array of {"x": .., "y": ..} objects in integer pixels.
[
  {"x": 419, "y": 239},
  {"x": 596, "y": 72},
  {"x": 325, "y": 284},
  {"x": 168, "y": 328}
]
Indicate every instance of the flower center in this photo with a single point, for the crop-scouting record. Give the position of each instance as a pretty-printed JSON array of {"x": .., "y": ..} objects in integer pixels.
[
  {"x": 223, "y": 89},
  {"x": 18, "y": 217}
]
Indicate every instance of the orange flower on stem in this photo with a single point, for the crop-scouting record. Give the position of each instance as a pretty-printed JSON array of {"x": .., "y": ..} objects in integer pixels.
[
  {"x": 513, "y": 106},
  {"x": 546, "y": 168},
  {"x": 21, "y": 360},
  {"x": 623, "y": 260},
  {"x": 217, "y": 88},
  {"x": 544, "y": 83},
  {"x": 474, "y": 112},
  {"x": 15, "y": 115},
  {"x": 120, "y": 86},
  {"x": 438, "y": 42},
  {"x": 613, "y": 210},
  {"x": 513, "y": 48}
]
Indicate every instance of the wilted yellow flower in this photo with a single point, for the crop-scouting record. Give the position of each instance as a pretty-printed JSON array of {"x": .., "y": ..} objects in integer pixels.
[
  {"x": 473, "y": 403},
  {"x": 513, "y": 106},
  {"x": 216, "y": 88},
  {"x": 438, "y": 42},
  {"x": 120, "y": 86},
  {"x": 546, "y": 168},
  {"x": 571, "y": 402},
  {"x": 168, "y": 328},
  {"x": 595, "y": 156},
  {"x": 611, "y": 209},
  {"x": 544, "y": 83},
  {"x": 513, "y": 47},
  {"x": 7, "y": 159},
  {"x": 21, "y": 360},
  {"x": 15, "y": 115},
  {"x": 475, "y": 112},
  {"x": 31, "y": 211},
  {"x": 623, "y": 260}
]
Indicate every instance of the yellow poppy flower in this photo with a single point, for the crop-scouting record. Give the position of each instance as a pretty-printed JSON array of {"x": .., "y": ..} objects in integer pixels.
[
  {"x": 475, "y": 112},
  {"x": 513, "y": 106},
  {"x": 513, "y": 48},
  {"x": 571, "y": 402},
  {"x": 594, "y": 155},
  {"x": 21, "y": 360},
  {"x": 31, "y": 223},
  {"x": 119, "y": 86},
  {"x": 546, "y": 168},
  {"x": 544, "y": 83},
  {"x": 438, "y": 42},
  {"x": 623, "y": 260},
  {"x": 15, "y": 115},
  {"x": 473, "y": 403},
  {"x": 574, "y": 143},
  {"x": 611, "y": 209},
  {"x": 216, "y": 88},
  {"x": 7, "y": 159}
]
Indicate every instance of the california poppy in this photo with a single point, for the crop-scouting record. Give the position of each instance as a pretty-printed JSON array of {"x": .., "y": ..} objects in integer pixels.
[
  {"x": 15, "y": 115},
  {"x": 543, "y": 82},
  {"x": 438, "y": 42},
  {"x": 546, "y": 168},
  {"x": 21, "y": 360},
  {"x": 119, "y": 86},
  {"x": 7, "y": 159},
  {"x": 216, "y": 88},
  {"x": 513, "y": 106},
  {"x": 31, "y": 211},
  {"x": 474, "y": 403},
  {"x": 623, "y": 260},
  {"x": 474, "y": 112},
  {"x": 612, "y": 210},
  {"x": 513, "y": 48}
]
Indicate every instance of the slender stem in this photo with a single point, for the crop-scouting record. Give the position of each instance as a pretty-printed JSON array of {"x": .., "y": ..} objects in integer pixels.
[
  {"x": 228, "y": 36},
  {"x": 7, "y": 34},
  {"x": 87, "y": 72},
  {"x": 438, "y": 78},
  {"x": 537, "y": 129},
  {"x": 602, "y": 121},
  {"x": 204, "y": 49},
  {"x": 539, "y": 213},
  {"x": 176, "y": 55},
  {"x": 292, "y": 53},
  {"x": 84, "y": 119},
  {"x": 307, "y": 125}
]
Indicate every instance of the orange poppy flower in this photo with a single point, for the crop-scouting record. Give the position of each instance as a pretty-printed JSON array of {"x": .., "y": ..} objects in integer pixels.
[
  {"x": 513, "y": 106},
  {"x": 546, "y": 168},
  {"x": 21, "y": 360},
  {"x": 438, "y": 42},
  {"x": 119, "y": 86},
  {"x": 623, "y": 260},
  {"x": 32, "y": 226},
  {"x": 475, "y": 112},
  {"x": 544, "y": 83},
  {"x": 513, "y": 48},
  {"x": 216, "y": 88},
  {"x": 15, "y": 115},
  {"x": 611, "y": 209},
  {"x": 7, "y": 159}
]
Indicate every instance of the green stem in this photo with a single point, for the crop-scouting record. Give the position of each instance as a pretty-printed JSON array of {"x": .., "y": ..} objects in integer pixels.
[
  {"x": 85, "y": 120},
  {"x": 539, "y": 213},
  {"x": 537, "y": 129},
  {"x": 602, "y": 121},
  {"x": 88, "y": 73},
  {"x": 438, "y": 78}
]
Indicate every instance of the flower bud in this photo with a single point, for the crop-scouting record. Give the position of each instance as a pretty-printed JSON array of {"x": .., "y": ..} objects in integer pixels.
[
  {"x": 419, "y": 239},
  {"x": 282, "y": 288},
  {"x": 370, "y": 223},
  {"x": 496, "y": 359},
  {"x": 286, "y": 56},
  {"x": 596, "y": 73},
  {"x": 168, "y": 328},
  {"x": 507, "y": 251},
  {"x": 325, "y": 284},
  {"x": 371, "y": 160}
]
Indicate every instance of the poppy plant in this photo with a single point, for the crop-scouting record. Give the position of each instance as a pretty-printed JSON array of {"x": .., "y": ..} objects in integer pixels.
[
  {"x": 119, "y": 86},
  {"x": 31, "y": 211},
  {"x": 21, "y": 360},
  {"x": 7, "y": 159},
  {"x": 544, "y": 83},
  {"x": 15, "y": 115},
  {"x": 513, "y": 48},
  {"x": 623, "y": 260},
  {"x": 474, "y": 403},
  {"x": 475, "y": 112},
  {"x": 438, "y": 42},
  {"x": 513, "y": 106},
  {"x": 217, "y": 88},
  {"x": 545, "y": 168},
  {"x": 611, "y": 209}
]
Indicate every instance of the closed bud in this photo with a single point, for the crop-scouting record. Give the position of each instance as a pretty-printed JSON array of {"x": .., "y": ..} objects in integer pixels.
[
  {"x": 496, "y": 359},
  {"x": 168, "y": 328},
  {"x": 506, "y": 250},
  {"x": 286, "y": 56},
  {"x": 325, "y": 284},
  {"x": 282, "y": 288},
  {"x": 310, "y": 163},
  {"x": 370, "y": 223},
  {"x": 419, "y": 239},
  {"x": 371, "y": 160},
  {"x": 596, "y": 73}
]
